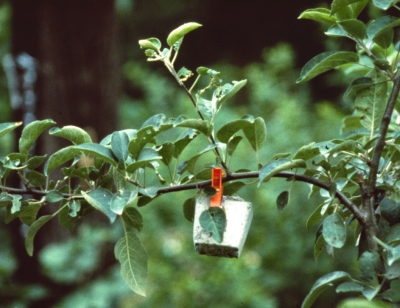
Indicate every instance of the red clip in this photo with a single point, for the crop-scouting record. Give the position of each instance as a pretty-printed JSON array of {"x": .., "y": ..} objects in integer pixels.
[{"x": 216, "y": 182}]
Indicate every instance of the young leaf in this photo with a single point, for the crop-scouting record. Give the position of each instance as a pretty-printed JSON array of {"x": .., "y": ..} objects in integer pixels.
[
  {"x": 181, "y": 31},
  {"x": 132, "y": 218},
  {"x": 8, "y": 127},
  {"x": 282, "y": 200},
  {"x": 334, "y": 230},
  {"x": 276, "y": 166},
  {"x": 130, "y": 252},
  {"x": 349, "y": 286},
  {"x": 31, "y": 132},
  {"x": 150, "y": 43},
  {"x": 100, "y": 199},
  {"x": 72, "y": 133},
  {"x": 256, "y": 133},
  {"x": 318, "y": 14},
  {"x": 315, "y": 217},
  {"x": 325, "y": 62},
  {"x": 119, "y": 145},
  {"x": 33, "y": 229},
  {"x": 321, "y": 285},
  {"x": 227, "y": 91},
  {"x": 214, "y": 221}
]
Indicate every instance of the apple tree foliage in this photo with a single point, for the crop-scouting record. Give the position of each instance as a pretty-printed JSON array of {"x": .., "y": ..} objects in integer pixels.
[{"x": 356, "y": 174}]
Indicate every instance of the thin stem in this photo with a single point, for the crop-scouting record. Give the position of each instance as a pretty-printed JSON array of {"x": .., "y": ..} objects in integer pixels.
[{"x": 380, "y": 144}]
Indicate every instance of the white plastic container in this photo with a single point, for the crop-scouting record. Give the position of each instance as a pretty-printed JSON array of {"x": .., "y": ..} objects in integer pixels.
[{"x": 239, "y": 214}]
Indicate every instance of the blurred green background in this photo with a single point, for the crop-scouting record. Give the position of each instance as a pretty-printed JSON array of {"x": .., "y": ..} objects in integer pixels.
[{"x": 255, "y": 40}]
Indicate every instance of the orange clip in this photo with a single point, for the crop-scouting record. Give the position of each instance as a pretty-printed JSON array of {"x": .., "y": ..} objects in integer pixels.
[{"x": 216, "y": 182}]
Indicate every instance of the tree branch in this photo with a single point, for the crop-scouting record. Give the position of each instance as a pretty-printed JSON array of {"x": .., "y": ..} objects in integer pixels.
[{"x": 360, "y": 216}]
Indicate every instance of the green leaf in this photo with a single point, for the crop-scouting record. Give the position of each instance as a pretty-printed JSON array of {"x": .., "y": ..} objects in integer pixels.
[
  {"x": 150, "y": 191},
  {"x": 28, "y": 213},
  {"x": 33, "y": 229},
  {"x": 150, "y": 43},
  {"x": 279, "y": 165},
  {"x": 16, "y": 203},
  {"x": 370, "y": 102},
  {"x": 35, "y": 161},
  {"x": 321, "y": 285},
  {"x": 54, "y": 196},
  {"x": 318, "y": 14},
  {"x": 380, "y": 25},
  {"x": 357, "y": 85},
  {"x": 228, "y": 130},
  {"x": 31, "y": 132},
  {"x": 166, "y": 152},
  {"x": 100, "y": 199},
  {"x": 66, "y": 220},
  {"x": 354, "y": 27},
  {"x": 119, "y": 145},
  {"x": 334, "y": 230},
  {"x": 370, "y": 265},
  {"x": 349, "y": 286},
  {"x": 256, "y": 133},
  {"x": 97, "y": 150},
  {"x": 393, "y": 253},
  {"x": 353, "y": 7},
  {"x": 145, "y": 156},
  {"x": 346, "y": 145},
  {"x": 393, "y": 235},
  {"x": 390, "y": 210},
  {"x": 181, "y": 31},
  {"x": 202, "y": 126},
  {"x": 325, "y": 62},
  {"x": 308, "y": 151},
  {"x": 232, "y": 188},
  {"x": 214, "y": 221},
  {"x": 183, "y": 140},
  {"x": 315, "y": 217},
  {"x": 336, "y": 31},
  {"x": 72, "y": 133},
  {"x": 132, "y": 218},
  {"x": 384, "y": 4},
  {"x": 121, "y": 199},
  {"x": 282, "y": 200},
  {"x": 232, "y": 145},
  {"x": 385, "y": 40},
  {"x": 130, "y": 252},
  {"x": 319, "y": 244},
  {"x": 227, "y": 91},
  {"x": 189, "y": 208},
  {"x": 58, "y": 158},
  {"x": 5, "y": 128},
  {"x": 151, "y": 128}
]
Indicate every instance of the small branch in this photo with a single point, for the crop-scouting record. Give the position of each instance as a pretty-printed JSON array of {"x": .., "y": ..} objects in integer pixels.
[
  {"x": 380, "y": 144},
  {"x": 228, "y": 178}
]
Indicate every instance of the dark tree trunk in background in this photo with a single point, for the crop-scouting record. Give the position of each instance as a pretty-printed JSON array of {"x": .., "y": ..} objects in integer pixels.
[{"x": 78, "y": 79}]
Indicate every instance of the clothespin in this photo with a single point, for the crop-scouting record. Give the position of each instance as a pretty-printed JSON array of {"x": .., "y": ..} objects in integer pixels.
[{"x": 216, "y": 182}]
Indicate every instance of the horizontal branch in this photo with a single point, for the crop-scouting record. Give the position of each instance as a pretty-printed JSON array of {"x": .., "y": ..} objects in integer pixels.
[{"x": 359, "y": 215}]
